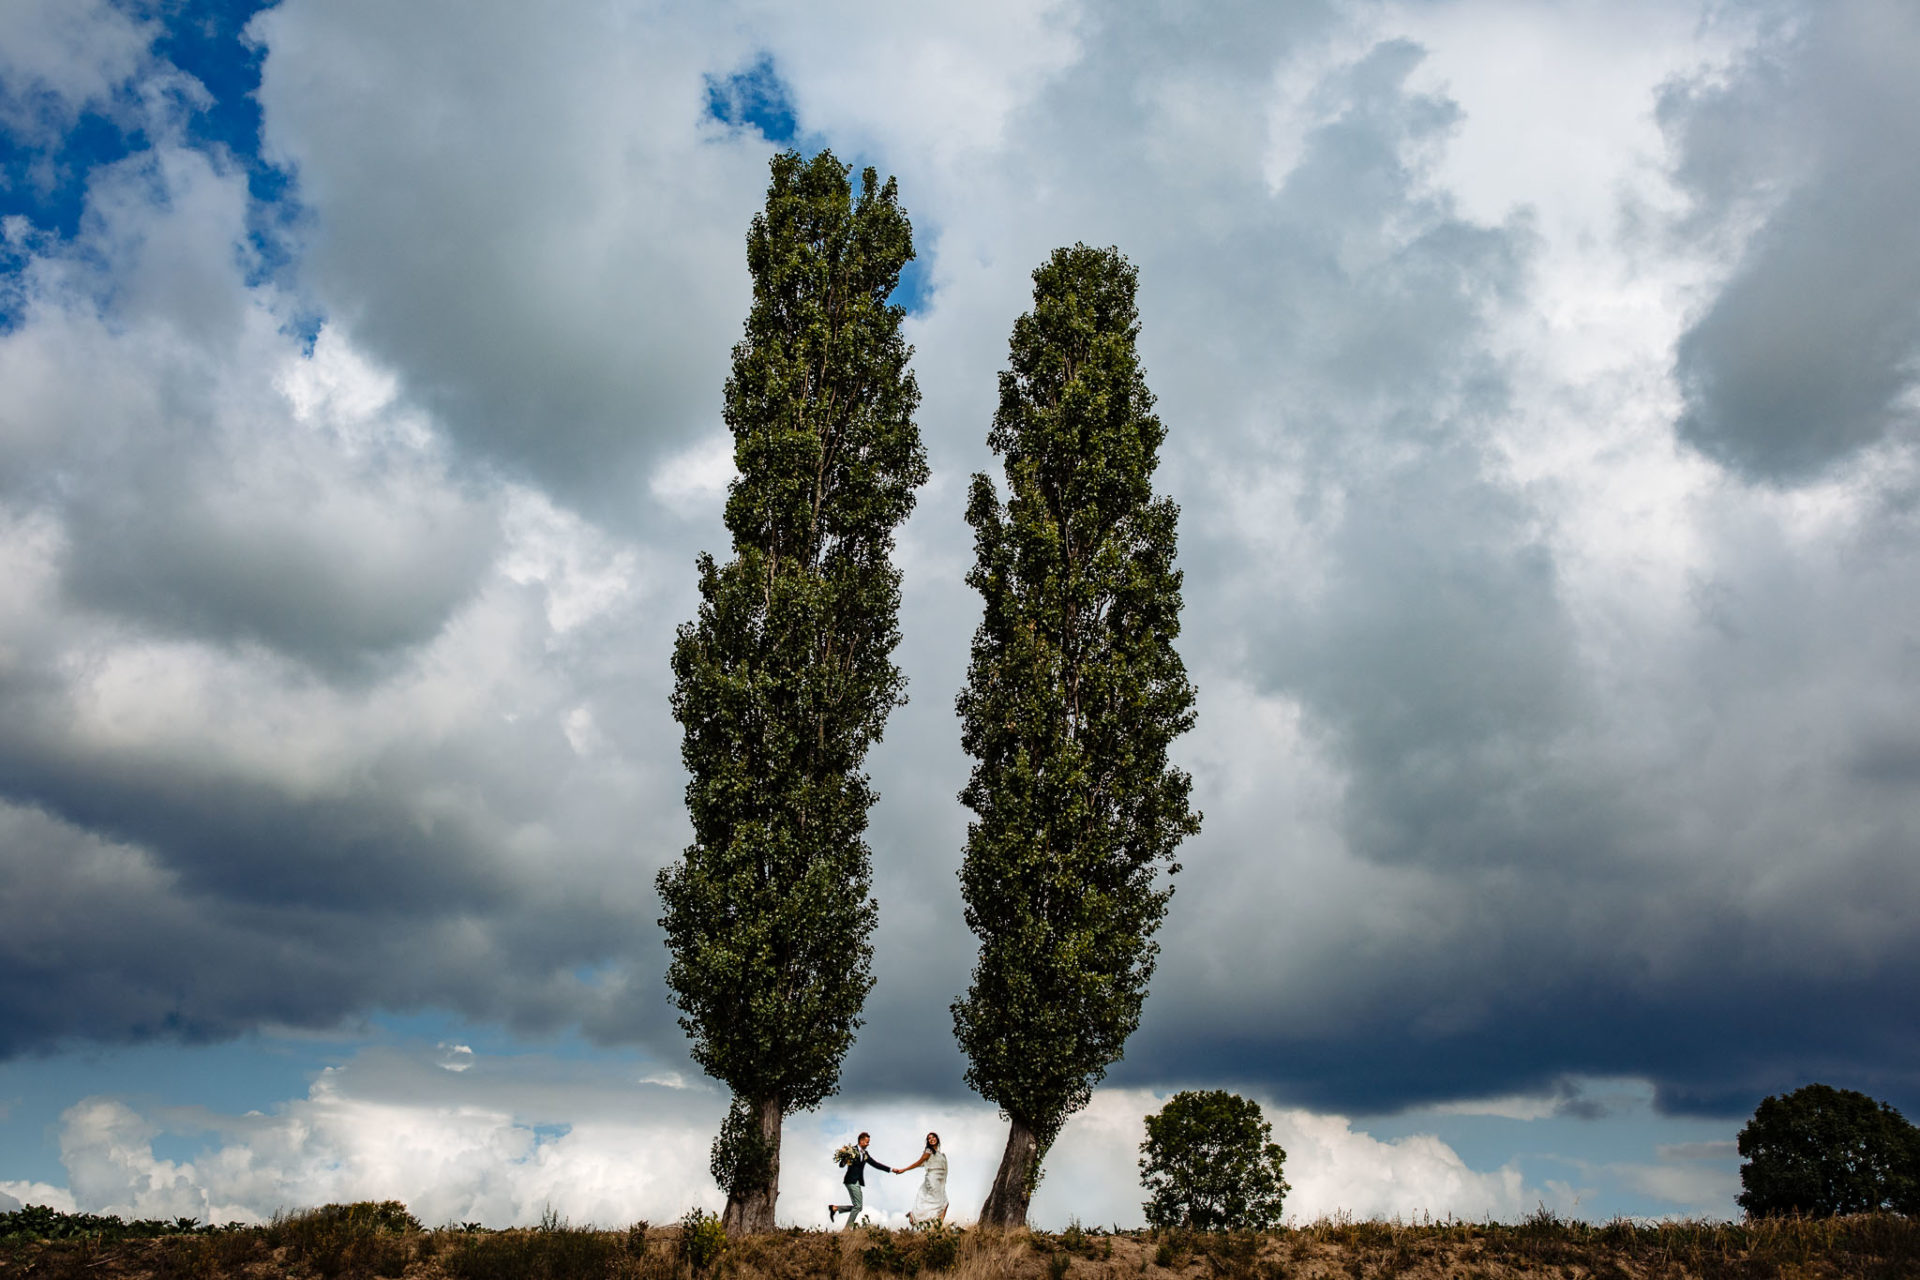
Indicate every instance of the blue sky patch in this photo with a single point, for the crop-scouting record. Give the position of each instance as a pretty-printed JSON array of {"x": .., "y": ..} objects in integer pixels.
[
  {"x": 754, "y": 98},
  {"x": 46, "y": 181},
  {"x": 206, "y": 39},
  {"x": 914, "y": 288},
  {"x": 48, "y": 184},
  {"x": 758, "y": 98}
]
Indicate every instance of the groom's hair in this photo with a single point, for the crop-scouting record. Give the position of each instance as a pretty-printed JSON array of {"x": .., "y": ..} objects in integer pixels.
[{"x": 863, "y": 1137}]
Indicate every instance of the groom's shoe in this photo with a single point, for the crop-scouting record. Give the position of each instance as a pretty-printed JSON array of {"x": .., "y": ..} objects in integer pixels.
[{"x": 833, "y": 1210}]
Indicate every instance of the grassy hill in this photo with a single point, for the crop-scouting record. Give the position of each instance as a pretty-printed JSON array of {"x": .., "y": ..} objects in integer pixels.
[{"x": 352, "y": 1242}]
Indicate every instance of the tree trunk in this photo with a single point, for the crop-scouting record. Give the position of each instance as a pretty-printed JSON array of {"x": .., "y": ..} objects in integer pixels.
[
  {"x": 750, "y": 1211},
  {"x": 1006, "y": 1205}
]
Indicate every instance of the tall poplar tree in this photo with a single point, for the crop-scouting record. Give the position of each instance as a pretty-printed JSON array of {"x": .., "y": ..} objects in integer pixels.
[
  {"x": 785, "y": 677},
  {"x": 1073, "y": 695}
]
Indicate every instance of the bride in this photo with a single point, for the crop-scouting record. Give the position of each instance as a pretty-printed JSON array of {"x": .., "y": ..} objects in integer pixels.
[{"x": 931, "y": 1204}]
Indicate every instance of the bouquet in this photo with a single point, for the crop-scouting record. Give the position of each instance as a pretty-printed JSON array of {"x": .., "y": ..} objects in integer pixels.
[{"x": 847, "y": 1156}]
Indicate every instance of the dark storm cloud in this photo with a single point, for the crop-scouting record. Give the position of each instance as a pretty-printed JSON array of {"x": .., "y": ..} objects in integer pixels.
[
  {"x": 192, "y": 851},
  {"x": 534, "y": 221},
  {"x": 198, "y": 502},
  {"x": 304, "y": 712},
  {"x": 1699, "y": 875},
  {"x": 152, "y": 963},
  {"x": 1716, "y": 1021},
  {"x": 1432, "y": 650},
  {"x": 1351, "y": 305},
  {"x": 1436, "y": 652},
  {"x": 172, "y": 543},
  {"x": 1558, "y": 836},
  {"x": 1809, "y": 351}
]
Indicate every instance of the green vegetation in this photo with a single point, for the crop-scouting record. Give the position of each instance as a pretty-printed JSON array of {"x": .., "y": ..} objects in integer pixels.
[
  {"x": 907, "y": 1253},
  {"x": 785, "y": 678},
  {"x": 556, "y": 1250},
  {"x": 358, "y": 1241},
  {"x": 939, "y": 1246},
  {"x": 1073, "y": 694},
  {"x": 534, "y": 1255},
  {"x": 375, "y": 1216},
  {"x": 1820, "y": 1151},
  {"x": 368, "y": 1238},
  {"x": 702, "y": 1239},
  {"x": 1209, "y": 1161},
  {"x": 38, "y": 1222},
  {"x": 350, "y": 1243}
]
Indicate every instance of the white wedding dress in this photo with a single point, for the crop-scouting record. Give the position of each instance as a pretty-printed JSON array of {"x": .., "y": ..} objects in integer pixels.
[{"x": 927, "y": 1206}]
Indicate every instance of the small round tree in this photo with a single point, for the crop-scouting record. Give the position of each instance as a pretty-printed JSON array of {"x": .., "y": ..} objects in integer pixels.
[
  {"x": 1209, "y": 1161},
  {"x": 1822, "y": 1151}
]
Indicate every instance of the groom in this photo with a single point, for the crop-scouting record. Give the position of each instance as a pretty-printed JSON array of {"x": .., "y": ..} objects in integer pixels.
[{"x": 856, "y": 1185}]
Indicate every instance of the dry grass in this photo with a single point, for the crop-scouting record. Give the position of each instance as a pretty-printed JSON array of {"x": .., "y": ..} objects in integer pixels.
[{"x": 312, "y": 1247}]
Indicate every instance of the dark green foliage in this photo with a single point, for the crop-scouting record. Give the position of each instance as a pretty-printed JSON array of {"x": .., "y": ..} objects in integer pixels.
[
  {"x": 785, "y": 678},
  {"x": 1209, "y": 1162},
  {"x": 1820, "y": 1151},
  {"x": 702, "y": 1239},
  {"x": 884, "y": 1254},
  {"x": 1073, "y": 694},
  {"x": 38, "y": 1222},
  {"x": 742, "y": 1152},
  {"x": 907, "y": 1253},
  {"x": 941, "y": 1247}
]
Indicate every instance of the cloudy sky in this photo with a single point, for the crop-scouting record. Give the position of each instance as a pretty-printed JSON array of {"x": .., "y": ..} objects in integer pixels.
[{"x": 1543, "y": 392}]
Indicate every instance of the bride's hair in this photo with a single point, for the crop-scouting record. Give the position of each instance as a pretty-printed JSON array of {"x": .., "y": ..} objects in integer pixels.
[{"x": 933, "y": 1140}]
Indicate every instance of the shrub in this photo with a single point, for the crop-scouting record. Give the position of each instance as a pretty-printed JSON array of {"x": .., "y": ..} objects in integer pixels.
[
  {"x": 551, "y": 1252},
  {"x": 1231, "y": 1253},
  {"x": 366, "y": 1216},
  {"x": 360, "y": 1239},
  {"x": 38, "y": 1222},
  {"x": 935, "y": 1247},
  {"x": 885, "y": 1255},
  {"x": 190, "y": 1259},
  {"x": 1209, "y": 1162},
  {"x": 1820, "y": 1151},
  {"x": 702, "y": 1239},
  {"x": 942, "y": 1247}
]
